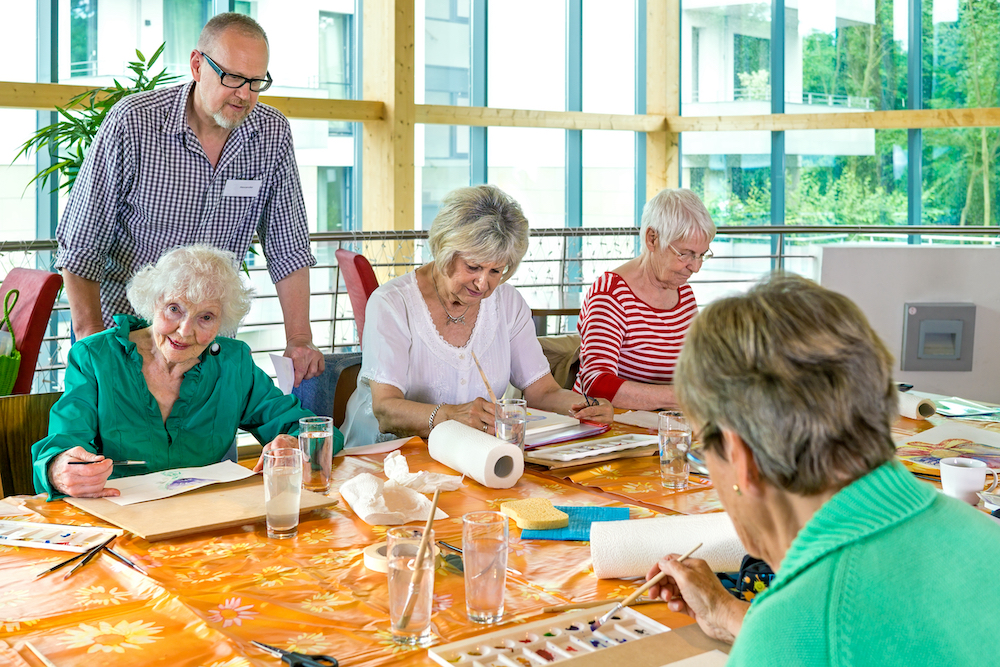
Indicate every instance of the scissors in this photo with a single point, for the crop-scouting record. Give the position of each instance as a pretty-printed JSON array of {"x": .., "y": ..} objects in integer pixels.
[{"x": 298, "y": 659}]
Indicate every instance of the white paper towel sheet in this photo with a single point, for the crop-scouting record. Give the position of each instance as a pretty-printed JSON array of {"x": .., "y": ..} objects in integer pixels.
[
  {"x": 486, "y": 459},
  {"x": 915, "y": 407},
  {"x": 629, "y": 548}
]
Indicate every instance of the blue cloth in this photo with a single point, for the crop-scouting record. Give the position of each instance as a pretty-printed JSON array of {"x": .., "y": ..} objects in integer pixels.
[
  {"x": 317, "y": 394},
  {"x": 580, "y": 519}
]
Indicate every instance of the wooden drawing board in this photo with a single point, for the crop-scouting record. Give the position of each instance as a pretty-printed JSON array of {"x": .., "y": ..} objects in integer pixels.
[
  {"x": 208, "y": 508},
  {"x": 612, "y": 456}
]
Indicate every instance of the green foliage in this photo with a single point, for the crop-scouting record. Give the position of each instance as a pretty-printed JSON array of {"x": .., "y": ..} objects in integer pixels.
[{"x": 68, "y": 139}]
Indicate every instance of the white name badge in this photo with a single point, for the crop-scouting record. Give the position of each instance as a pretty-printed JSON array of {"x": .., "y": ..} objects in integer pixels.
[{"x": 238, "y": 188}]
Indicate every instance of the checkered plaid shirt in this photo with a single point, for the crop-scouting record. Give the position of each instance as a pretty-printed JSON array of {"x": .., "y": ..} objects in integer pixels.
[{"x": 147, "y": 186}]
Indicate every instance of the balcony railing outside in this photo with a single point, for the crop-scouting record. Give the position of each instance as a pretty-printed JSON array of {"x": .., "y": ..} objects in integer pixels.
[{"x": 557, "y": 259}]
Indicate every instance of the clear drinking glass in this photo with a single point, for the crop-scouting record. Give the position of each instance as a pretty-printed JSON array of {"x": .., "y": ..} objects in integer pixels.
[
  {"x": 316, "y": 443},
  {"x": 675, "y": 443},
  {"x": 404, "y": 542},
  {"x": 282, "y": 491},
  {"x": 484, "y": 546},
  {"x": 510, "y": 417}
]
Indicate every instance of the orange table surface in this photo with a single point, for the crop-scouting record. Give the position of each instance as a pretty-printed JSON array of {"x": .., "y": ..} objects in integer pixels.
[{"x": 208, "y": 595}]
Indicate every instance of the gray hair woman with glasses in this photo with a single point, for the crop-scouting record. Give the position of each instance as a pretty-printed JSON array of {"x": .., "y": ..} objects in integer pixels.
[
  {"x": 791, "y": 393},
  {"x": 634, "y": 318}
]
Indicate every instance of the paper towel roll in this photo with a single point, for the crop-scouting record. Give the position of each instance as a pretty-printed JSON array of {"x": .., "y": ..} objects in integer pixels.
[
  {"x": 486, "y": 459},
  {"x": 915, "y": 407},
  {"x": 630, "y": 548}
]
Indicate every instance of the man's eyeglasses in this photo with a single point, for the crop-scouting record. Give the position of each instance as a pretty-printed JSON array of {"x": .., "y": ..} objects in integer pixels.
[
  {"x": 237, "y": 81},
  {"x": 688, "y": 257}
]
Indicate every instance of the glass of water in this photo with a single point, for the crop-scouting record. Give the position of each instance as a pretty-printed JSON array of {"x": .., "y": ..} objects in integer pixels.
[
  {"x": 282, "y": 491},
  {"x": 510, "y": 416},
  {"x": 316, "y": 443},
  {"x": 484, "y": 547},
  {"x": 404, "y": 542},
  {"x": 675, "y": 443}
]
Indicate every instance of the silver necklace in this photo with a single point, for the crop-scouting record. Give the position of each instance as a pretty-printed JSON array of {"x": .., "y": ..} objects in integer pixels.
[{"x": 451, "y": 320}]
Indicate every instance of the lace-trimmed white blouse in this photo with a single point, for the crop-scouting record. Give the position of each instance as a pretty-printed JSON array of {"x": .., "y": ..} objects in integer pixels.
[{"x": 403, "y": 348}]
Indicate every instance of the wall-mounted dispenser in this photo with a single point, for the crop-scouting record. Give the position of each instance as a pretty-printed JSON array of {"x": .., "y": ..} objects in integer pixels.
[{"x": 938, "y": 336}]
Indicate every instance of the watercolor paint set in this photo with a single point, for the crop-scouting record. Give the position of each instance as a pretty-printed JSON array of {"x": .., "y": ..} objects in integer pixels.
[
  {"x": 548, "y": 641},
  {"x": 53, "y": 536},
  {"x": 589, "y": 448}
]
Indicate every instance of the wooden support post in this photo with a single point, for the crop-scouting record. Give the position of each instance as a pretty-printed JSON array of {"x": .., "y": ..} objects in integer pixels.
[
  {"x": 663, "y": 48},
  {"x": 387, "y": 145}
]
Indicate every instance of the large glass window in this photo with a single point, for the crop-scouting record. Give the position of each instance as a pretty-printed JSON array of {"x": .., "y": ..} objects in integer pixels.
[
  {"x": 608, "y": 65},
  {"x": 731, "y": 172},
  {"x": 527, "y": 56}
]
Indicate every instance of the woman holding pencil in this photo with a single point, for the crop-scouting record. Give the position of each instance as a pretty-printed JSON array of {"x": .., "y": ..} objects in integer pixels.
[
  {"x": 424, "y": 331},
  {"x": 792, "y": 396}
]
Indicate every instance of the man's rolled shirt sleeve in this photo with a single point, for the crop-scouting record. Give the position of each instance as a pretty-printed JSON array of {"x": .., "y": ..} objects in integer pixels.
[{"x": 283, "y": 224}]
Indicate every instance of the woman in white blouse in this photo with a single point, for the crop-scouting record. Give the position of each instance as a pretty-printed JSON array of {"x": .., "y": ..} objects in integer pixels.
[{"x": 421, "y": 329}]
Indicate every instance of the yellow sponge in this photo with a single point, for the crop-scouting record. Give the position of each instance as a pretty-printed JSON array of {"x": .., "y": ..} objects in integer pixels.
[{"x": 535, "y": 514}]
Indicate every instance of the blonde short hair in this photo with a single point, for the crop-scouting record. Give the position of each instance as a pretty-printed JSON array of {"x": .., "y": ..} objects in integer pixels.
[
  {"x": 194, "y": 273},
  {"x": 675, "y": 215},
  {"x": 798, "y": 373},
  {"x": 483, "y": 224}
]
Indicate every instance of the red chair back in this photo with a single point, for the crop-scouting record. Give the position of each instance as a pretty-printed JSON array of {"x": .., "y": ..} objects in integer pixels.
[
  {"x": 30, "y": 317},
  {"x": 360, "y": 280}
]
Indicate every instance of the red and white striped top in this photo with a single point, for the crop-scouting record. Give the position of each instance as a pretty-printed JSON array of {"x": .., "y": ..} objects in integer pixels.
[{"x": 624, "y": 338}]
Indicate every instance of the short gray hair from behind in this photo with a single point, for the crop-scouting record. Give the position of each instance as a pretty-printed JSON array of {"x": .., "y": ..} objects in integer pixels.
[
  {"x": 675, "y": 214},
  {"x": 194, "y": 273},
  {"x": 483, "y": 224},
  {"x": 220, "y": 23},
  {"x": 798, "y": 373}
]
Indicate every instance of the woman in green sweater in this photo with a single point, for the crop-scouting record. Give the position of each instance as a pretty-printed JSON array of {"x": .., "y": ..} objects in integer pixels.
[
  {"x": 165, "y": 389},
  {"x": 791, "y": 393}
]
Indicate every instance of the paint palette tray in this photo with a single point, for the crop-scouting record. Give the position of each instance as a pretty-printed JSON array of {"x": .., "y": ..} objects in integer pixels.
[
  {"x": 590, "y": 448},
  {"x": 548, "y": 641},
  {"x": 55, "y": 536}
]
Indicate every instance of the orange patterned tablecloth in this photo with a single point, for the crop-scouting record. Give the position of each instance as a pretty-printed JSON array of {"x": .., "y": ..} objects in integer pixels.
[{"x": 208, "y": 595}]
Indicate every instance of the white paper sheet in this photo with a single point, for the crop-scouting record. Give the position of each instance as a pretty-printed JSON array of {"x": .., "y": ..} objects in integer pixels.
[
  {"x": 284, "y": 372},
  {"x": 8, "y": 508},
  {"x": 168, "y": 483},
  {"x": 714, "y": 658},
  {"x": 952, "y": 430},
  {"x": 640, "y": 418},
  {"x": 377, "y": 448}
]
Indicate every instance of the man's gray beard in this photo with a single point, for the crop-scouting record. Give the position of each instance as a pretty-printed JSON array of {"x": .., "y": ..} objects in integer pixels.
[{"x": 227, "y": 123}]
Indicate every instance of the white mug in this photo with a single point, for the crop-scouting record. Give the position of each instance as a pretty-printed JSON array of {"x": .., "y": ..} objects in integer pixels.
[{"x": 963, "y": 478}]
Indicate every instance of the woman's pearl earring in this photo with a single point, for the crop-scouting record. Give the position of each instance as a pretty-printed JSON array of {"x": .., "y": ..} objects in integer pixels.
[{"x": 736, "y": 488}]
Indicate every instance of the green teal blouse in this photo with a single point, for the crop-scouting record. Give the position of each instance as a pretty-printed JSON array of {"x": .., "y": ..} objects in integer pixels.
[
  {"x": 887, "y": 572},
  {"x": 107, "y": 408}
]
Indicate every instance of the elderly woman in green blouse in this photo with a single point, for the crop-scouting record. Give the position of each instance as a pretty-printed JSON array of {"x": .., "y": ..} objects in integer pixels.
[
  {"x": 792, "y": 395},
  {"x": 166, "y": 389}
]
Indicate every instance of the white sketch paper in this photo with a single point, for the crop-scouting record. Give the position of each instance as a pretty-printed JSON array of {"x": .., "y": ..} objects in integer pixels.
[
  {"x": 168, "y": 483},
  {"x": 284, "y": 373}
]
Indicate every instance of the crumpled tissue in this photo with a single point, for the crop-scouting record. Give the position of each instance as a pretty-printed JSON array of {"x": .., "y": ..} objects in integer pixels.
[
  {"x": 380, "y": 503},
  {"x": 398, "y": 470}
]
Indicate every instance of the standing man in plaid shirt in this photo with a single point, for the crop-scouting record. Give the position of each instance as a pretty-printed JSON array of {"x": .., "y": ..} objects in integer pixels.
[{"x": 197, "y": 163}]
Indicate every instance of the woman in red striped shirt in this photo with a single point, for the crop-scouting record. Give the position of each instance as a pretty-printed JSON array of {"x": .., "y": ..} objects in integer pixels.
[{"x": 634, "y": 318}]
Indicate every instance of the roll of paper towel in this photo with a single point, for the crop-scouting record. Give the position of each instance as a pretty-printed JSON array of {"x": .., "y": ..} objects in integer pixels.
[
  {"x": 915, "y": 407},
  {"x": 486, "y": 459},
  {"x": 629, "y": 548}
]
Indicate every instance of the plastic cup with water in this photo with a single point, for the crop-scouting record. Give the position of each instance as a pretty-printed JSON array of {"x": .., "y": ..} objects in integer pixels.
[
  {"x": 675, "y": 443},
  {"x": 282, "y": 491},
  {"x": 510, "y": 418},
  {"x": 316, "y": 443},
  {"x": 484, "y": 547}
]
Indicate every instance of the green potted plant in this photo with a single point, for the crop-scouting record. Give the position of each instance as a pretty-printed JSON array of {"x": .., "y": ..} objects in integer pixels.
[{"x": 68, "y": 139}]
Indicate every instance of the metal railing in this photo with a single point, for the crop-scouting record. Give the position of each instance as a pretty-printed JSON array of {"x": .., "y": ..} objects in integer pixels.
[{"x": 557, "y": 259}]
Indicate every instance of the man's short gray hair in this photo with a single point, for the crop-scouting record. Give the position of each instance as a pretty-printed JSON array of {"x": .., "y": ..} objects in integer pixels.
[
  {"x": 798, "y": 373},
  {"x": 194, "y": 273},
  {"x": 483, "y": 224},
  {"x": 675, "y": 215},
  {"x": 220, "y": 23}
]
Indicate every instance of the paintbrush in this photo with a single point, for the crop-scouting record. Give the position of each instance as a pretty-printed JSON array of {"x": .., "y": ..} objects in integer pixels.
[
  {"x": 642, "y": 589},
  {"x": 90, "y": 556},
  {"x": 592, "y": 603},
  {"x": 493, "y": 397},
  {"x": 418, "y": 569}
]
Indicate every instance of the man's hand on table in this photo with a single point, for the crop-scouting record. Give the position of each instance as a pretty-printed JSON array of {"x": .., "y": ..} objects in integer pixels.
[
  {"x": 306, "y": 358},
  {"x": 283, "y": 440},
  {"x": 81, "y": 481}
]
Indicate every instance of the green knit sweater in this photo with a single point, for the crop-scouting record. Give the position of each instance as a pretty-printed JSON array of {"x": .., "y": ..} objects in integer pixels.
[{"x": 887, "y": 572}]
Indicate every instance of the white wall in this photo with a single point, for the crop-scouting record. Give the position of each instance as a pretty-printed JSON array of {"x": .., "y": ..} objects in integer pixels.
[{"x": 880, "y": 280}]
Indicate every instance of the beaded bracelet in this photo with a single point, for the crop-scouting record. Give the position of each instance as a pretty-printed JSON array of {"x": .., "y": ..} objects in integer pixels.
[{"x": 430, "y": 421}]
